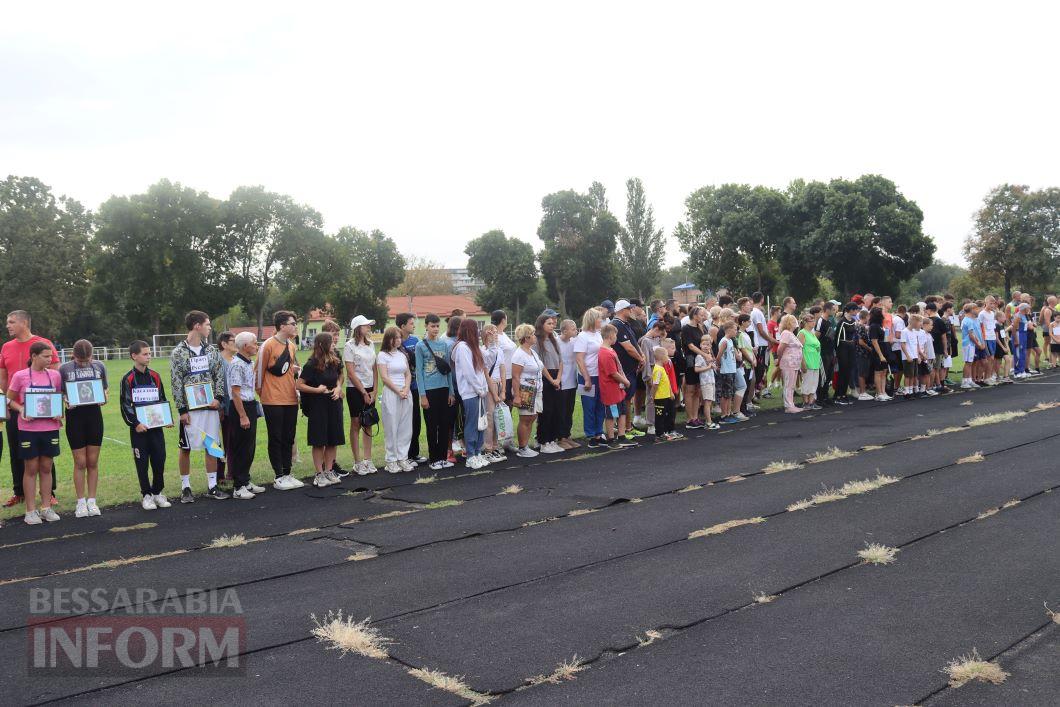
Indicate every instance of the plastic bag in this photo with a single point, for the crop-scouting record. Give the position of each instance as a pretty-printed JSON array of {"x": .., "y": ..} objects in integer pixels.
[{"x": 502, "y": 423}]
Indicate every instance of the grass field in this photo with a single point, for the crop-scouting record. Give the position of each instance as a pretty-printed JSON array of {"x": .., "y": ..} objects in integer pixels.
[{"x": 118, "y": 484}]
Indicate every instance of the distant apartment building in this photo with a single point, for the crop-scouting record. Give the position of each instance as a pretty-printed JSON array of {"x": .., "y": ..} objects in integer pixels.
[{"x": 463, "y": 283}]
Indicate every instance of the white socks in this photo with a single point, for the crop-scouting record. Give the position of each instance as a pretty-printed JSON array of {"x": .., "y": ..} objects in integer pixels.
[
  {"x": 185, "y": 482},
  {"x": 211, "y": 478}
]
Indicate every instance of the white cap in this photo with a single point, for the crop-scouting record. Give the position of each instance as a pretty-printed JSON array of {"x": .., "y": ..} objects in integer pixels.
[
  {"x": 621, "y": 304},
  {"x": 360, "y": 320}
]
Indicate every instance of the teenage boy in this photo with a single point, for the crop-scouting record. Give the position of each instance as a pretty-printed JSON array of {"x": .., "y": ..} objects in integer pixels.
[
  {"x": 762, "y": 341},
  {"x": 614, "y": 387},
  {"x": 985, "y": 357},
  {"x": 662, "y": 395},
  {"x": 406, "y": 322},
  {"x": 274, "y": 377},
  {"x": 971, "y": 344},
  {"x": 939, "y": 345},
  {"x": 195, "y": 361},
  {"x": 141, "y": 387},
  {"x": 243, "y": 433},
  {"x": 14, "y": 356},
  {"x": 437, "y": 394}
]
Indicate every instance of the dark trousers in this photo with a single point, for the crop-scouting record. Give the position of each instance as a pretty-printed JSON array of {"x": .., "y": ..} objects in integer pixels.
[
  {"x": 750, "y": 391},
  {"x": 664, "y": 416},
  {"x": 227, "y": 421},
  {"x": 761, "y": 364},
  {"x": 18, "y": 468},
  {"x": 548, "y": 420},
  {"x": 827, "y": 368},
  {"x": 847, "y": 369},
  {"x": 439, "y": 424},
  {"x": 240, "y": 446},
  {"x": 567, "y": 399},
  {"x": 280, "y": 422},
  {"x": 414, "y": 445},
  {"x": 149, "y": 448}
]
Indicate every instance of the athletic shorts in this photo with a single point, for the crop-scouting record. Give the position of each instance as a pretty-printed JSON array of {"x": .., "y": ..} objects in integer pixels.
[
  {"x": 84, "y": 427},
  {"x": 612, "y": 412},
  {"x": 38, "y": 444},
  {"x": 1054, "y": 348},
  {"x": 968, "y": 353},
  {"x": 940, "y": 363},
  {"x": 909, "y": 369},
  {"x": 1032, "y": 340},
  {"x": 207, "y": 421},
  {"x": 991, "y": 346},
  {"x": 923, "y": 368},
  {"x": 725, "y": 384},
  {"x": 999, "y": 353}
]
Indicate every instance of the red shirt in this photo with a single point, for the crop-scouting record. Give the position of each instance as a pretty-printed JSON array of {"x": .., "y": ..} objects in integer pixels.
[
  {"x": 610, "y": 391},
  {"x": 771, "y": 326},
  {"x": 673, "y": 376},
  {"x": 14, "y": 354}
]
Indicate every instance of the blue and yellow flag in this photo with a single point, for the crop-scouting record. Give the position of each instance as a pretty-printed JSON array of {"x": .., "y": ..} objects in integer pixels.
[{"x": 211, "y": 446}]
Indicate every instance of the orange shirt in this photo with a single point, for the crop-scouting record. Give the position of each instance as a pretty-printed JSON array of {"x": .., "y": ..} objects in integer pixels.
[{"x": 275, "y": 390}]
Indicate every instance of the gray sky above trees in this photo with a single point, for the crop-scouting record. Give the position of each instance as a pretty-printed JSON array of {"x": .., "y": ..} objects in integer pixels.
[{"x": 437, "y": 122}]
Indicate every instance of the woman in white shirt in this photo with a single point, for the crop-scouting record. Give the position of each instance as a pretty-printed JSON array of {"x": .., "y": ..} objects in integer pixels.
[
  {"x": 471, "y": 386},
  {"x": 586, "y": 357},
  {"x": 526, "y": 385},
  {"x": 392, "y": 367},
  {"x": 500, "y": 320},
  {"x": 494, "y": 362},
  {"x": 359, "y": 358},
  {"x": 568, "y": 330}
]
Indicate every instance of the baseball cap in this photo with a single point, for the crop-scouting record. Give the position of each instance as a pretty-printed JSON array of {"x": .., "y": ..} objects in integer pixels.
[
  {"x": 360, "y": 320},
  {"x": 634, "y": 302},
  {"x": 608, "y": 304},
  {"x": 835, "y": 302},
  {"x": 620, "y": 305},
  {"x": 549, "y": 312}
]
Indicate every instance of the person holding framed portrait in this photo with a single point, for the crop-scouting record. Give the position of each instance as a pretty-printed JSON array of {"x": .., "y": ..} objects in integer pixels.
[
  {"x": 83, "y": 378},
  {"x": 141, "y": 399},
  {"x": 38, "y": 436}
]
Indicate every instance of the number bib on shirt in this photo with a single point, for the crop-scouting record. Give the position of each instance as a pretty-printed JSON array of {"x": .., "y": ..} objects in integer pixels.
[{"x": 199, "y": 364}]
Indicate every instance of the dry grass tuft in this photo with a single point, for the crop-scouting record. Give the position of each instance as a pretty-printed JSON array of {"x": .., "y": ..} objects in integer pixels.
[
  {"x": 303, "y": 531},
  {"x": 344, "y": 634},
  {"x": 980, "y": 420},
  {"x": 723, "y": 527},
  {"x": 1010, "y": 503},
  {"x": 529, "y": 523},
  {"x": 987, "y": 513},
  {"x": 734, "y": 478},
  {"x": 800, "y": 505},
  {"x": 827, "y": 495},
  {"x": 510, "y": 490},
  {"x": 853, "y": 488},
  {"x": 234, "y": 540},
  {"x": 871, "y": 447},
  {"x": 967, "y": 403},
  {"x": 690, "y": 487},
  {"x": 828, "y": 455},
  {"x": 943, "y": 431},
  {"x": 876, "y": 554},
  {"x": 456, "y": 686},
  {"x": 426, "y": 479},
  {"x": 1054, "y": 615},
  {"x": 1045, "y": 406},
  {"x": 763, "y": 598},
  {"x": 138, "y": 526},
  {"x": 43, "y": 540},
  {"x": 359, "y": 556},
  {"x": 650, "y": 637},
  {"x": 972, "y": 459},
  {"x": 567, "y": 669},
  {"x": 971, "y": 667},
  {"x": 779, "y": 466},
  {"x": 582, "y": 511},
  {"x": 636, "y": 500},
  {"x": 443, "y": 504}
]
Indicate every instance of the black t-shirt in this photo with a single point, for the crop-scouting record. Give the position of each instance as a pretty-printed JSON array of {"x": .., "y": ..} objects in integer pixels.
[
  {"x": 625, "y": 333},
  {"x": 675, "y": 334},
  {"x": 877, "y": 334},
  {"x": 939, "y": 328},
  {"x": 846, "y": 331},
  {"x": 314, "y": 376},
  {"x": 691, "y": 335}
]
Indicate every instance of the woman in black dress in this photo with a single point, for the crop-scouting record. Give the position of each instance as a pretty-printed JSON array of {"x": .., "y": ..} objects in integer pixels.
[{"x": 320, "y": 384}]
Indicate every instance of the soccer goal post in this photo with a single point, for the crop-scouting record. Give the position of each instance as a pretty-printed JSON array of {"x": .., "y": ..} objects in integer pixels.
[{"x": 162, "y": 344}]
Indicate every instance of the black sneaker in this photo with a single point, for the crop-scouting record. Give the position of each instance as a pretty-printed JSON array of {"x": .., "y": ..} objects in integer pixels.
[
  {"x": 694, "y": 424},
  {"x": 627, "y": 443},
  {"x": 217, "y": 494},
  {"x": 592, "y": 442},
  {"x": 339, "y": 471},
  {"x": 186, "y": 496},
  {"x": 844, "y": 401}
]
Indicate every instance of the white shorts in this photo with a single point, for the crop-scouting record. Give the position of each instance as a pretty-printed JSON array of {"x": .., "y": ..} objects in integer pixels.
[
  {"x": 947, "y": 362},
  {"x": 209, "y": 421},
  {"x": 968, "y": 353}
]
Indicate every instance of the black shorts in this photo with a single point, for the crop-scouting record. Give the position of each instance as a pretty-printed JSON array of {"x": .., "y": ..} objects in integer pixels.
[
  {"x": 355, "y": 402},
  {"x": 1054, "y": 348},
  {"x": 38, "y": 444},
  {"x": 878, "y": 365},
  {"x": 923, "y": 369},
  {"x": 84, "y": 427}
]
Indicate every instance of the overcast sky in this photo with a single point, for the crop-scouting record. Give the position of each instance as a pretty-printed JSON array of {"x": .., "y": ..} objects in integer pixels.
[{"x": 436, "y": 122}]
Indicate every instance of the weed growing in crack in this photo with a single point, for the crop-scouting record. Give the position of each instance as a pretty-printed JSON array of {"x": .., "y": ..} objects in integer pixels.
[
  {"x": 565, "y": 670},
  {"x": 426, "y": 479},
  {"x": 827, "y": 495},
  {"x": 876, "y": 554},
  {"x": 987, "y": 513},
  {"x": 995, "y": 418},
  {"x": 650, "y": 637},
  {"x": 138, "y": 526},
  {"x": 1045, "y": 406},
  {"x": 689, "y": 488},
  {"x": 360, "y": 556},
  {"x": 734, "y": 478},
  {"x": 972, "y": 667},
  {"x": 1010, "y": 503},
  {"x": 456, "y": 686},
  {"x": 228, "y": 541},
  {"x": 763, "y": 598},
  {"x": 853, "y": 488},
  {"x": 779, "y": 466},
  {"x": 1054, "y": 615},
  {"x": 582, "y": 511},
  {"x": 443, "y": 504},
  {"x": 971, "y": 459},
  {"x": 510, "y": 490},
  {"x": 342, "y": 633},
  {"x": 723, "y": 527},
  {"x": 800, "y": 505},
  {"x": 828, "y": 455},
  {"x": 871, "y": 447}
]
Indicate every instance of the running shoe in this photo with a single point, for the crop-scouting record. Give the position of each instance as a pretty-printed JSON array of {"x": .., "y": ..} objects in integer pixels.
[
  {"x": 32, "y": 518},
  {"x": 393, "y": 468},
  {"x": 49, "y": 514},
  {"x": 865, "y": 397},
  {"x": 254, "y": 488},
  {"x": 161, "y": 501},
  {"x": 593, "y": 443},
  {"x": 243, "y": 493},
  {"x": 527, "y": 453},
  {"x": 695, "y": 424},
  {"x": 217, "y": 494},
  {"x": 186, "y": 496},
  {"x": 82, "y": 508},
  {"x": 553, "y": 448},
  {"x": 627, "y": 443},
  {"x": 406, "y": 464},
  {"x": 713, "y": 426},
  {"x": 332, "y": 477},
  {"x": 93, "y": 509},
  {"x": 634, "y": 432},
  {"x": 148, "y": 503},
  {"x": 13, "y": 501},
  {"x": 436, "y": 466},
  {"x": 421, "y": 459}
]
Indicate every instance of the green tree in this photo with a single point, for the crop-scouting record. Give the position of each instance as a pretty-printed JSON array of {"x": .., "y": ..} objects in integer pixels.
[
  {"x": 936, "y": 278},
  {"x": 1015, "y": 238},
  {"x": 641, "y": 244},
  {"x": 507, "y": 267},
  {"x": 801, "y": 268},
  {"x": 43, "y": 246},
  {"x": 261, "y": 225},
  {"x": 160, "y": 254}
]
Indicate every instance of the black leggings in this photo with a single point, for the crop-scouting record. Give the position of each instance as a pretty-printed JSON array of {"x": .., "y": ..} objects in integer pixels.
[
  {"x": 149, "y": 446},
  {"x": 551, "y": 415},
  {"x": 847, "y": 370},
  {"x": 281, "y": 422},
  {"x": 439, "y": 424}
]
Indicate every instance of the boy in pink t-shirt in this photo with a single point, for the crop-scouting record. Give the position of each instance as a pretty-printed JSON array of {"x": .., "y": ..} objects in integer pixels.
[{"x": 613, "y": 387}]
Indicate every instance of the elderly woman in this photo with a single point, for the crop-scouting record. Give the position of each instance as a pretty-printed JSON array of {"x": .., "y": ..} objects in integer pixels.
[
  {"x": 527, "y": 370},
  {"x": 586, "y": 358},
  {"x": 243, "y": 428},
  {"x": 789, "y": 353}
]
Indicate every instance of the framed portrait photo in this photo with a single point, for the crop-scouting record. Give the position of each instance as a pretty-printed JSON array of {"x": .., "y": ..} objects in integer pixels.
[
  {"x": 86, "y": 392},
  {"x": 198, "y": 395},
  {"x": 42, "y": 406},
  {"x": 156, "y": 415}
]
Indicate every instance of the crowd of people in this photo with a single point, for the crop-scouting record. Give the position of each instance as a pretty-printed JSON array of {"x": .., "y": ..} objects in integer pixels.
[{"x": 482, "y": 393}]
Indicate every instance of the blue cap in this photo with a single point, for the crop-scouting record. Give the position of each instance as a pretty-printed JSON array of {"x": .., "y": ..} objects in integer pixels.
[
  {"x": 609, "y": 304},
  {"x": 549, "y": 312}
]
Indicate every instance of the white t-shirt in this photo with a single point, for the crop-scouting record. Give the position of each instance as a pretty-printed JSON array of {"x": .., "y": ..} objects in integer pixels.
[
  {"x": 986, "y": 320},
  {"x": 758, "y": 317},
  {"x": 531, "y": 374},
  {"x": 928, "y": 344},
  {"x": 899, "y": 326},
  {"x": 910, "y": 344},
  {"x": 492, "y": 358},
  {"x": 705, "y": 377},
  {"x": 508, "y": 348},
  {"x": 588, "y": 343},
  {"x": 362, "y": 356},
  {"x": 569, "y": 379},
  {"x": 397, "y": 365}
]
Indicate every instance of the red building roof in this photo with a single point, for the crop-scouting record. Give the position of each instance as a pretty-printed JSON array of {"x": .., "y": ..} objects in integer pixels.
[
  {"x": 442, "y": 305},
  {"x": 266, "y": 331}
]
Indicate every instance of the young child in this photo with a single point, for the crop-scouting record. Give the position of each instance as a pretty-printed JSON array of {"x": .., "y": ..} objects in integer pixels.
[
  {"x": 704, "y": 366},
  {"x": 613, "y": 387},
  {"x": 727, "y": 372},
  {"x": 662, "y": 394},
  {"x": 909, "y": 339},
  {"x": 1004, "y": 350},
  {"x": 140, "y": 387},
  {"x": 927, "y": 363}
]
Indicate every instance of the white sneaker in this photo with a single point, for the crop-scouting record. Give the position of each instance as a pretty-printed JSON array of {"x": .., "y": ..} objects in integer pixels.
[
  {"x": 82, "y": 509},
  {"x": 394, "y": 468},
  {"x": 865, "y": 397},
  {"x": 32, "y": 518},
  {"x": 883, "y": 398},
  {"x": 498, "y": 456},
  {"x": 332, "y": 477},
  {"x": 436, "y": 466},
  {"x": 473, "y": 462},
  {"x": 931, "y": 392},
  {"x": 255, "y": 489},
  {"x": 526, "y": 452},
  {"x": 640, "y": 421},
  {"x": 320, "y": 480},
  {"x": 286, "y": 483},
  {"x": 149, "y": 503},
  {"x": 161, "y": 501},
  {"x": 457, "y": 446},
  {"x": 412, "y": 462},
  {"x": 551, "y": 448},
  {"x": 651, "y": 429},
  {"x": 93, "y": 509},
  {"x": 967, "y": 384},
  {"x": 363, "y": 467},
  {"x": 243, "y": 493},
  {"x": 49, "y": 515},
  {"x": 447, "y": 464},
  {"x": 407, "y": 465}
]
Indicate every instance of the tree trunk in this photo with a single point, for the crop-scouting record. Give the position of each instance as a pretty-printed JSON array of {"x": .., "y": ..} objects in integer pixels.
[
  {"x": 563, "y": 302},
  {"x": 517, "y": 311},
  {"x": 261, "y": 319},
  {"x": 1008, "y": 286}
]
